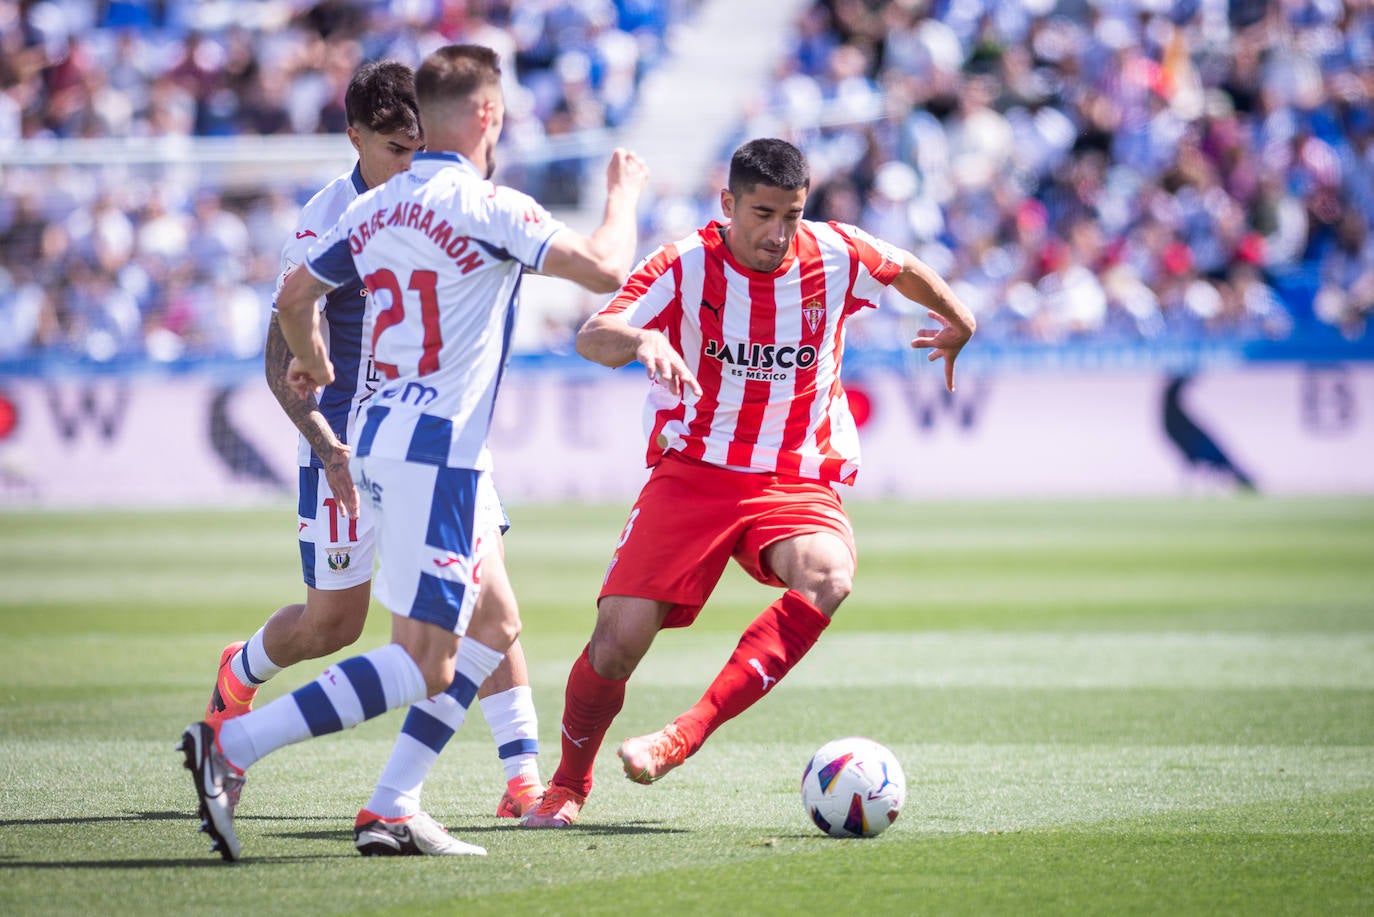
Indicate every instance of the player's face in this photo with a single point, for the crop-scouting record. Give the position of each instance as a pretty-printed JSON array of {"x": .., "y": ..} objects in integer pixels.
[
  {"x": 382, "y": 155},
  {"x": 763, "y": 221}
]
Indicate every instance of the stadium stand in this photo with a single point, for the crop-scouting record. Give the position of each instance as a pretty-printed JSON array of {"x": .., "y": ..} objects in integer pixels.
[
  {"x": 110, "y": 254},
  {"x": 1087, "y": 172},
  {"x": 1102, "y": 170}
]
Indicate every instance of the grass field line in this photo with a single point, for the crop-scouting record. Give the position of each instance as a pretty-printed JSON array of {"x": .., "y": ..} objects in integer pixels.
[
  {"x": 1024, "y": 660},
  {"x": 920, "y": 659}
]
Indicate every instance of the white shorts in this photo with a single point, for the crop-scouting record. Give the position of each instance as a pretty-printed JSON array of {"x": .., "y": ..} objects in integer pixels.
[
  {"x": 433, "y": 526},
  {"x": 338, "y": 552}
]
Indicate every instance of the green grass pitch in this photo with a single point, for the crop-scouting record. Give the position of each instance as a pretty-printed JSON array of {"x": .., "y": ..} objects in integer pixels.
[{"x": 1136, "y": 707}]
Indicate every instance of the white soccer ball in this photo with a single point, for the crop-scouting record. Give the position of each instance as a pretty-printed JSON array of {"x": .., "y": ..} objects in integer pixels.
[{"x": 853, "y": 787}]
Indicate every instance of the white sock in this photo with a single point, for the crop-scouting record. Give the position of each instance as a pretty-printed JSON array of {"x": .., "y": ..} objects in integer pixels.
[
  {"x": 252, "y": 665},
  {"x": 343, "y": 696},
  {"x": 429, "y": 725},
  {"x": 515, "y": 729}
]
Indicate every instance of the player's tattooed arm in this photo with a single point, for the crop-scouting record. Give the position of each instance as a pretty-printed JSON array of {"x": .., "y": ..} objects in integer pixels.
[{"x": 304, "y": 411}]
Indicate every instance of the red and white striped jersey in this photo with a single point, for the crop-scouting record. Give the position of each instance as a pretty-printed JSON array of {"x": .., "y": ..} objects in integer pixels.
[{"x": 766, "y": 348}]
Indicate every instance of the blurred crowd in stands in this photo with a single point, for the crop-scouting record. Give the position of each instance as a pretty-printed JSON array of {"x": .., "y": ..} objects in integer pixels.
[
  {"x": 1081, "y": 170},
  {"x": 122, "y": 261},
  {"x": 1106, "y": 170}
]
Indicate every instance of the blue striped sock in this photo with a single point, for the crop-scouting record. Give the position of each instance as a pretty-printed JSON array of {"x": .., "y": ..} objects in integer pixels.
[
  {"x": 343, "y": 696},
  {"x": 428, "y": 727},
  {"x": 252, "y": 665}
]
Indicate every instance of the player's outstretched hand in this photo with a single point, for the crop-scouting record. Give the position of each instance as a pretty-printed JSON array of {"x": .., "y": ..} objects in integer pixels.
[
  {"x": 944, "y": 343},
  {"x": 665, "y": 365},
  {"x": 626, "y": 170},
  {"x": 305, "y": 380}
]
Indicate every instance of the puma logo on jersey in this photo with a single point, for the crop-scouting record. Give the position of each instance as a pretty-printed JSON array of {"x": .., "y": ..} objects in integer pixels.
[
  {"x": 715, "y": 310},
  {"x": 568, "y": 735}
]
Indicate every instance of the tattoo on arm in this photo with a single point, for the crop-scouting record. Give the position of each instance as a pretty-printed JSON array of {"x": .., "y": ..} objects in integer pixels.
[{"x": 304, "y": 412}]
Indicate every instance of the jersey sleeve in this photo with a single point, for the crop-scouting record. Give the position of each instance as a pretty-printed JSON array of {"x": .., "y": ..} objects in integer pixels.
[
  {"x": 294, "y": 251},
  {"x": 647, "y": 296},
  {"x": 315, "y": 219},
  {"x": 330, "y": 258},
  {"x": 522, "y": 226},
  {"x": 878, "y": 262}
]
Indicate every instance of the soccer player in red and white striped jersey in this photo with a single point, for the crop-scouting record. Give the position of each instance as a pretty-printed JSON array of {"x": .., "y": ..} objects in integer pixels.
[{"x": 741, "y": 328}]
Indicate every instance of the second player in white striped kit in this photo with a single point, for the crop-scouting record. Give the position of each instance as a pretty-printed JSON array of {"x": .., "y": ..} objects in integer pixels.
[{"x": 441, "y": 250}]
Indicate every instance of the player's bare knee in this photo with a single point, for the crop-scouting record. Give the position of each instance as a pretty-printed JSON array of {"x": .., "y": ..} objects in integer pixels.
[
  {"x": 611, "y": 658},
  {"x": 826, "y": 589},
  {"x": 506, "y": 630},
  {"x": 332, "y": 620},
  {"x": 436, "y": 665},
  {"x": 497, "y": 631},
  {"x": 438, "y": 675},
  {"x": 338, "y": 634}
]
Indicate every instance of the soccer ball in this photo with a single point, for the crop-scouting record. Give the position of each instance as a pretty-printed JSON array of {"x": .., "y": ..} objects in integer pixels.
[{"x": 853, "y": 787}]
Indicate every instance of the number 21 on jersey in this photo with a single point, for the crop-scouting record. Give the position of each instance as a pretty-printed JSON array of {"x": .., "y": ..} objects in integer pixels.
[{"x": 423, "y": 286}]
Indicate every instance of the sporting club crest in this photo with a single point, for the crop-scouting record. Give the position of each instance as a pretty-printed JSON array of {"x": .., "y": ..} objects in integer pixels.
[{"x": 814, "y": 311}]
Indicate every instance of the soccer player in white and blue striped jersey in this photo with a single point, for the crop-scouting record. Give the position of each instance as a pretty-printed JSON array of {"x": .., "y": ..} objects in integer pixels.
[
  {"x": 337, "y": 543},
  {"x": 441, "y": 250}
]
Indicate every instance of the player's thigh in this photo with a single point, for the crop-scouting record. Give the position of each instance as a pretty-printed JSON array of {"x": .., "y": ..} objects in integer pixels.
[
  {"x": 496, "y": 595},
  {"x": 433, "y": 648},
  {"x": 427, "y": 527},
  {"x": 798, "y": 535},
  {"x": 340, "y": 613},
  {"x": 337, "y": 552},
  {"x": 496, "y": 618},
  {"x": 489, "y": 505},
  {"x": 676, "y": 542},
  {"x": 496, "y": 592}
]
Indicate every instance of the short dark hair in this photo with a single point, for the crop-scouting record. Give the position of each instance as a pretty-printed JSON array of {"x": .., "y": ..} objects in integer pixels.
[
  {"x": 381, "y": 97},
  {"x": 455, "y": 72},
  {"x": 768, "y": 161}
]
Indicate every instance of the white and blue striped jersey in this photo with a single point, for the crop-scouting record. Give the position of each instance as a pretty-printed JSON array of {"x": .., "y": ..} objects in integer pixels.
[
  {"x": 441, "y": 251},
  {"x": 343, "y": 312}
]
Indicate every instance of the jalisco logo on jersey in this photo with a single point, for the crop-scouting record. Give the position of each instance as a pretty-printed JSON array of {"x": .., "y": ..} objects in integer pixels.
[
  {"x": 750, "y": 355},
  {"x": 418, "y": 217}
]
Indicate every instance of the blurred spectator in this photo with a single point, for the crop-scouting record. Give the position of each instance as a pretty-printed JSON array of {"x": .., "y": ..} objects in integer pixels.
[{"x": 1346, "y": 296}]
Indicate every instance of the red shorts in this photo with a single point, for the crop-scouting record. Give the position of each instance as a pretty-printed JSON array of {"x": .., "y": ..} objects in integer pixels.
[{"x": 691, "y": 518}]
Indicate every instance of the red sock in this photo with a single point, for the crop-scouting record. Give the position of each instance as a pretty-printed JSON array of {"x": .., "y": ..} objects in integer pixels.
[
  {"x": 767, "y": 650},
  {"x": 590, "y": 703}
]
